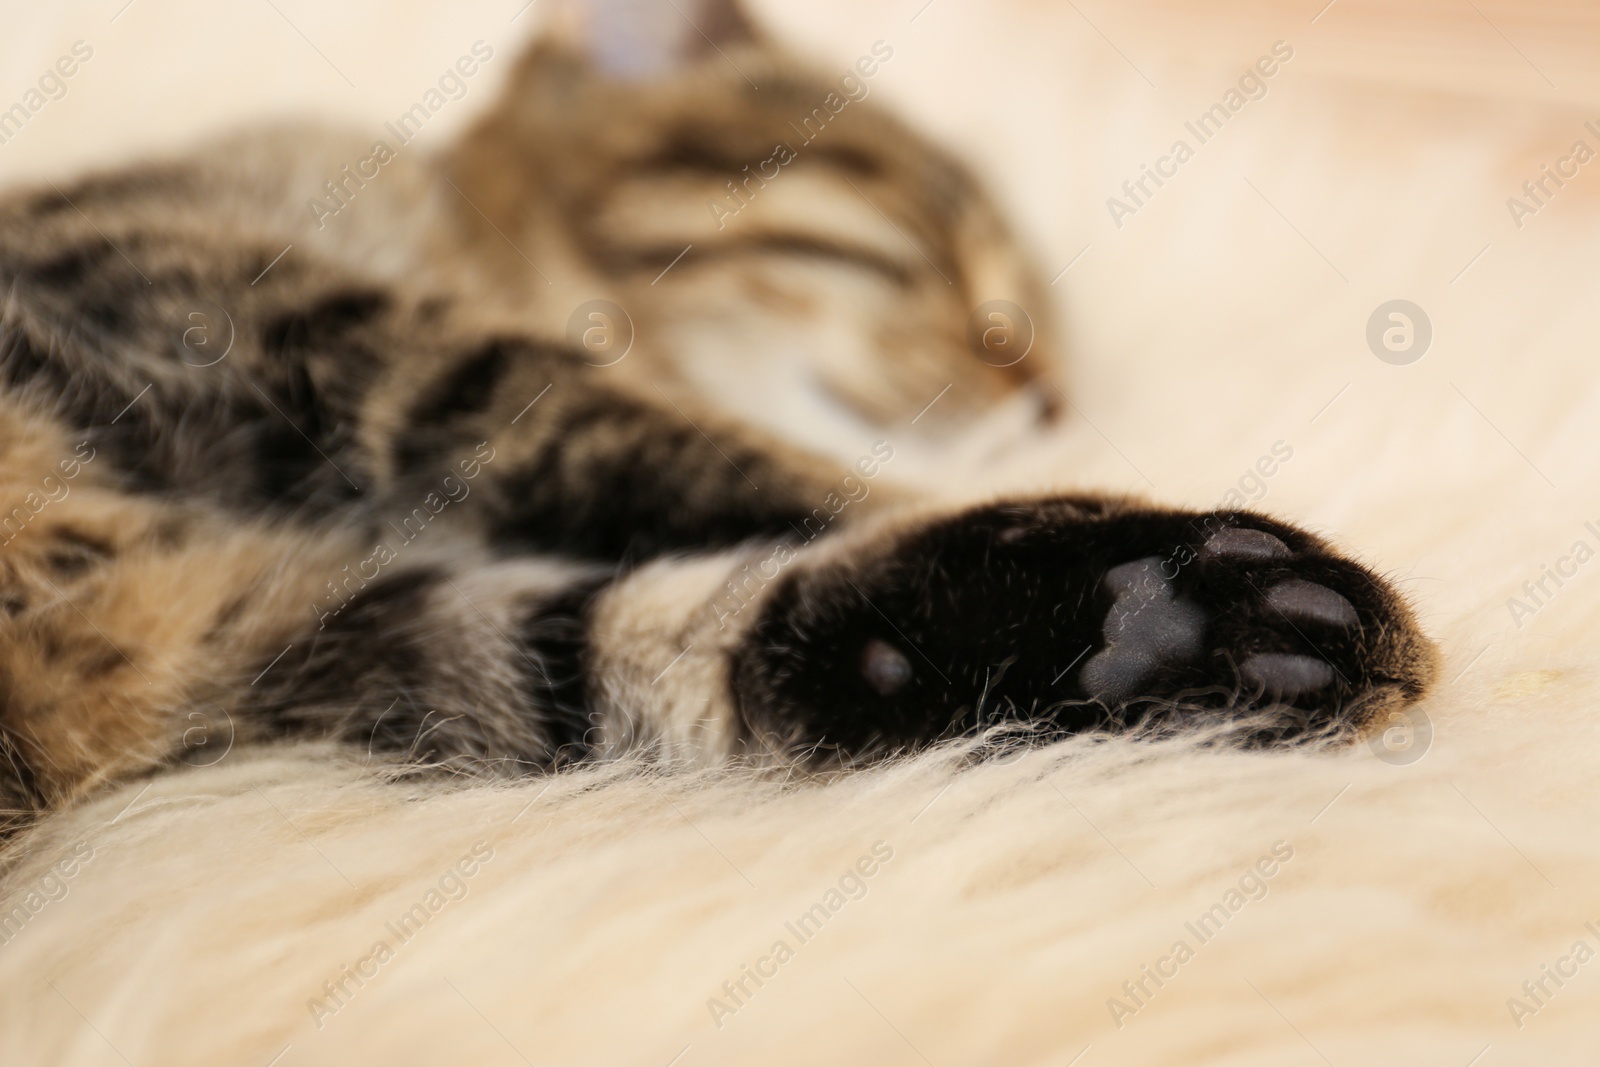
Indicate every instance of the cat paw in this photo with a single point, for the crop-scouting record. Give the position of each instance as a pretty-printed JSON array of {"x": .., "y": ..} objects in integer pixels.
[{"x": 1075, "y": 614}]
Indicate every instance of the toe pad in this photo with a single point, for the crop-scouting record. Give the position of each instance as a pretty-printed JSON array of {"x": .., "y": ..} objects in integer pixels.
[
  {"x": 1300, "y": 599},
  {"x": 1285, "y": 674},
  {"x": 1241, "y": 542}
]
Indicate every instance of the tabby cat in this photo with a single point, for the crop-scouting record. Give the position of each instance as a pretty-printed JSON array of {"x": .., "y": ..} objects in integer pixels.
[{"x": 352, "y": 474}]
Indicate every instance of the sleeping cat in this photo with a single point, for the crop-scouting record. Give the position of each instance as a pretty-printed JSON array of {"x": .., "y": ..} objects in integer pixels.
[{"x": 361, "y": 478}]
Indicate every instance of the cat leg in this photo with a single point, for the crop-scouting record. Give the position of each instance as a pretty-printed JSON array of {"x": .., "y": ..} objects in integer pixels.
[
  {"x": 1070, "y": 613},
  {"x": 115, "y": 614},
  {"x": 136, "y": 630},
  {"x": 139, "y": 633},
  {"x": 454, "y": 662},
  {"x": 302, "y": 390}
]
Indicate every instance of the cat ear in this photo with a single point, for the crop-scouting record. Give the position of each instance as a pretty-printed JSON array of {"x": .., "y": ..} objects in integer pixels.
[{"x": 642, "y": 40}]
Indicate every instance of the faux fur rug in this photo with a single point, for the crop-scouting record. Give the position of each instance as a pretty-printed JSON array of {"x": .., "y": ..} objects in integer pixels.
[{"x": 1430, "y": 897}]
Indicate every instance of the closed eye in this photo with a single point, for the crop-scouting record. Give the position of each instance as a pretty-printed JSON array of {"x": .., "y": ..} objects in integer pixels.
[
  {"x": 806, "y": 211},
  {"x": 798, "y": 245}
]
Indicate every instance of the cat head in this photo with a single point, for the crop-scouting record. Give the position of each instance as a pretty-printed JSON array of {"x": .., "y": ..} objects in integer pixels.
[{"x": 784, "y": 244}]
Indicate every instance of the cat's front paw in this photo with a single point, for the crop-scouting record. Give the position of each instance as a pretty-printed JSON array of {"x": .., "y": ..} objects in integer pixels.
[{"x": 1078, "y": 614}]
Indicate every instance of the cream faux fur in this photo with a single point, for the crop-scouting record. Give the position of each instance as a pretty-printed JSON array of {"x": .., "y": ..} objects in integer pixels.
[{"x": 1007, "y": 904}]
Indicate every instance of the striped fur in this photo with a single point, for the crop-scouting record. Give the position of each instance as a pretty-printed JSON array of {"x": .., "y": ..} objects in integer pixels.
[{"x": 350, "y": 480}]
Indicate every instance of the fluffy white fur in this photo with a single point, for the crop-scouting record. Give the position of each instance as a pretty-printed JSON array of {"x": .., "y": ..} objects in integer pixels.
[{"x": 1224, "y": 316}]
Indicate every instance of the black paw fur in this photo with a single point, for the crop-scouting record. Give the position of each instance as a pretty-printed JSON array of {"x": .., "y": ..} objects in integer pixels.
[{"x": 1076, "y": 614}]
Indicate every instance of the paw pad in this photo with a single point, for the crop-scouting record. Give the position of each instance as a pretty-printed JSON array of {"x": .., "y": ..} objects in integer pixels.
[
  {"x": 1286, "y": 675},
  {"x": 1297, "y": 598},
  {"x": 1242, "y": 542},
  {"x": 885, "y": 667},
  {"x": 1148, "y": 626}
]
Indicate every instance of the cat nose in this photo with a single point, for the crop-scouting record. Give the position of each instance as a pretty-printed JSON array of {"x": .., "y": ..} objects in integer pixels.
[{"x": 1047, "y": 404}]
